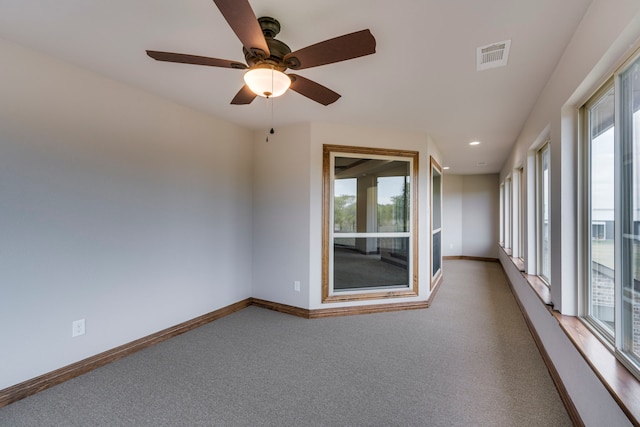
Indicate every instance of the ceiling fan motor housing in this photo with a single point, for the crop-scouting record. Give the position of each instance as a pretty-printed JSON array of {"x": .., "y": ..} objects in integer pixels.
[{"x": 270, "y": 28}]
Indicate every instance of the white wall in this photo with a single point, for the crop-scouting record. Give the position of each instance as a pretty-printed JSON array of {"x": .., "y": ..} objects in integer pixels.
[
  {"x": 481, "y": 216},
  {"x": 452, "y": 196},
  {"x": 281, "y": 216},
  {"x": 115, "y": 206},
  {"x": 471, "y": 215}
]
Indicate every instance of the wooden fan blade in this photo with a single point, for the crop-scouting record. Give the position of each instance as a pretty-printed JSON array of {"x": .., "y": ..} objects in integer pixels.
[
  {"x": 338, "y": 49},
  {"x": 313, "y": 90},
  {"x": 244, "y": 23},
  {"x": 244, "y": 96},
  {"x": 193, "y": 59}
]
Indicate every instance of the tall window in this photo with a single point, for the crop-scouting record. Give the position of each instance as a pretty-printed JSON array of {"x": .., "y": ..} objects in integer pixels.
[
  {"x": 502, "y": 214},
  {"x": 518, "y": 214},
  {"x": 629, "y": 305},
  {"x": 544, "y": 213},
  {"x": 436, "y": 223},
  {"x": 611, "y": 123},
  {"x": 601, "y": 251},
  {"x": 507, "y": 213},
  {"x": 370, "y": 220}
]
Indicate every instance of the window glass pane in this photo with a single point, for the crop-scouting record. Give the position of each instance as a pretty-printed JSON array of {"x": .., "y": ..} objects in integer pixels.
[
  {"x": 521, "y": 192},
  {"x": 393, "y": 203},
  {"x": 344, "y": 205},
  {"x": 436, "y": 251},
  {"x": 601, "y": 295},
  {"x": 370, "y": 263},
  {"x": 630, "y": 221},
  {"x": 502, "y": 214},
  {"x": 507, "y": 214},
  {"x": 436, "y": 199},
  {"x": 371, "y": 195},
  {"x": 545, "y": 214}
]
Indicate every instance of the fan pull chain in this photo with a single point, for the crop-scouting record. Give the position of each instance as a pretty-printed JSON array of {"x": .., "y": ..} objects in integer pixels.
[
  {"x": 270, "y": 100},
  {"x": 271, "y": 131}
]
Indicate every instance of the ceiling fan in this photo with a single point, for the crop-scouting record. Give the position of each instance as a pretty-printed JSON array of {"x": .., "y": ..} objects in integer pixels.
[{"x": 268, "y": 58}]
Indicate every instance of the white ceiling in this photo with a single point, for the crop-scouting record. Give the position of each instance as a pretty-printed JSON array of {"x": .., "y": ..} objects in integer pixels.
[{"x": 422, "y": 78}]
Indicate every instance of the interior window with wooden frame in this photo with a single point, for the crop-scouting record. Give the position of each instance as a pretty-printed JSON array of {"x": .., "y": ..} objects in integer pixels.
[
  {"x": 370, "y": 223},
  {"x": 436, "y": 223}
]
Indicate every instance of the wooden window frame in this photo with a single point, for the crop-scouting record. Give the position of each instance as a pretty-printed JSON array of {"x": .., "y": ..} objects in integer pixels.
[
  {"x": 436, "y": 276},
  {"x": 327, "y": 186}
]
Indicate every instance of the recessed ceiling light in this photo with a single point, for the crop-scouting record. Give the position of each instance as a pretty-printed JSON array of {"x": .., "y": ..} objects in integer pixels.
[
  {"x": 474, "y": 143},
  {"x": 445, "y": 168},
  {"x": 482, "y": 163}
]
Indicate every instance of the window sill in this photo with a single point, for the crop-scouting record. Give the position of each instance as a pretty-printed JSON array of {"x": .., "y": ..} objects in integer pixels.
[
  {"x": 519, "y": 262},
  {"x": 540, "y": 288},
  {"x": 616, "y": 378},
  {"x": 621, "y": 384},
  {"x": 537, "y": 284}
]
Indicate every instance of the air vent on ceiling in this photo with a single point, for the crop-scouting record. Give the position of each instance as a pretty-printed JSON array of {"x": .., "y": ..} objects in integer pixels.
[{"x": 493, "y": 55}]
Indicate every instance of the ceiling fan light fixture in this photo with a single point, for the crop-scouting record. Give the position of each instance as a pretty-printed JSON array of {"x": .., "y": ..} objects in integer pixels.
[{"x": 267, "y": 82}]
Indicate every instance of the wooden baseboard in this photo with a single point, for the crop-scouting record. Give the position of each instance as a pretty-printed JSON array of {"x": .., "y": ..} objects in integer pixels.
[
  {"x": 434, "y": 289},
  {"x": 281, "y": 308},
  {"x": 339, "y": 311},
  {"x": 50, "y": 379},
  {"x": 367, "y": 309}
]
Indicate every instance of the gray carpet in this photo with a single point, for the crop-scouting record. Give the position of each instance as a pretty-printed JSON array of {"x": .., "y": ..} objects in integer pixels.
[{"x": 469, "y": 360}]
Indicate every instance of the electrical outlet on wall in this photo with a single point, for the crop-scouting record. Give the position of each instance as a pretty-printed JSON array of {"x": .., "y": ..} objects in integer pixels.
[
  {"x": 77, "y": 328},
  {"x": 296, "y": 286}
]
